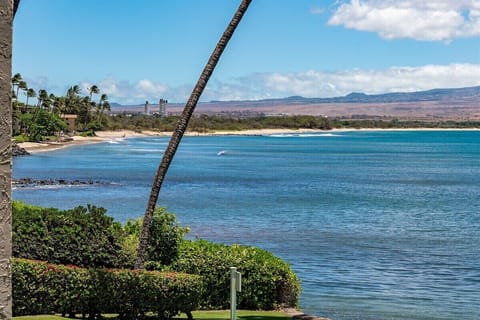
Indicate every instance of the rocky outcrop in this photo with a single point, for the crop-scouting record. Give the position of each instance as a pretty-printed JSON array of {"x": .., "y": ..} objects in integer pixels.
[
  {"x": 298, "y": 315},
  {"x": 28, "y": 182},
  {"x": 18, "y": 151}
]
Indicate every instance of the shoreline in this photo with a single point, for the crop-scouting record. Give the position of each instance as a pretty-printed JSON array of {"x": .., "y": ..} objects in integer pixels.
[{"x": 103, "y": 136}]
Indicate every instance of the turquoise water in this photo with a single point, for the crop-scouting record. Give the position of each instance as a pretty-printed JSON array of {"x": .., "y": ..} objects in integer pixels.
[{"x": 378, "y": 225}]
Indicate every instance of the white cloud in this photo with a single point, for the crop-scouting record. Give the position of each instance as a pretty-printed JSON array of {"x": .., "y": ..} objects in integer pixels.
[
  {"x": 127, "y": 92},
  {"x": 312, "y": 83},
  {"x": 434, "y": 20},
  {"x": 148, "y": 87},
  {"x": 330, "y": 84}
]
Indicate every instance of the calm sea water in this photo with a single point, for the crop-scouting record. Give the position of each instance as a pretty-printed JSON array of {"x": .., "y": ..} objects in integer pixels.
[{"x": 378, "y": 225}]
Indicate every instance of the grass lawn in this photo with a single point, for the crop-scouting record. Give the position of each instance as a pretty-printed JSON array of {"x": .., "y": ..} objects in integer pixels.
[
  {"x": 201, "y": 315},
  {"x": 40, "y": 317},
  {"x": 241, "y": 315}
]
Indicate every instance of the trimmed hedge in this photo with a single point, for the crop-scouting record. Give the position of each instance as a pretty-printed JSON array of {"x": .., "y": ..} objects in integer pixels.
[
  {"x": 41, "y": 288},
  {"x": 267, "y": 281}
]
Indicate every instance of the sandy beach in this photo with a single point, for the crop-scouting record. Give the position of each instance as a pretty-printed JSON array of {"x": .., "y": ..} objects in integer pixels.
[{"x": 101, "y": 136}]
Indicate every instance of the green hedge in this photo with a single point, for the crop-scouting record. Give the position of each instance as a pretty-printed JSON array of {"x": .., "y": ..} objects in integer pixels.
[
  {"x": 81, "y": 236},
  {"x": 41, "y": 288},
  {"x": 267, "y": 281},
  {"x": 88, "y": 238}
]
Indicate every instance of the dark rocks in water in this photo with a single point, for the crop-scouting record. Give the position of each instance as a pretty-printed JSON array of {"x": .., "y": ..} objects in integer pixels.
[
  {"x": 28, "y": 182},
  {"x": 18, "y": 151}
]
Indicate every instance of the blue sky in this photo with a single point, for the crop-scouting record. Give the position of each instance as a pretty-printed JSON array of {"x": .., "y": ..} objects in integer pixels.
[{"x": 150, "y": 49}]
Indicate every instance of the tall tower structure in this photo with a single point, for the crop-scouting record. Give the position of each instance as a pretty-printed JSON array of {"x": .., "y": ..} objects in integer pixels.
[
  {"x": 162, "y": 108},
  {"x": 147, "y": 108}
]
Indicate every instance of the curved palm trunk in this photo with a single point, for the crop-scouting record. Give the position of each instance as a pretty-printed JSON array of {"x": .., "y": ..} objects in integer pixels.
[
  {"x": 182, "y": 126},
  {"x": 6, "y": 19}
]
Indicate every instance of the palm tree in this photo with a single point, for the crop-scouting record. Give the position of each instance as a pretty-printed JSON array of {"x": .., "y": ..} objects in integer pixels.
[
  {"x": 93, "y": 90},
  {"x": 16, "y": 3},
  {"x": 102, "y": 105},
  {"x": 43, "y": 99},
  {"x": 17, "y": 77},
  {"x": 73, "y": 90},
  {"x": 182, "y": 126},
  {"x": 72, "y": 100},
  {"x": 6, "y": 25},
  {"x": 20, "y": 85},
  {"x": 58, "y": 104},
  {"x": 30, "y": 94},
  {"x": 86, "y": 105}
]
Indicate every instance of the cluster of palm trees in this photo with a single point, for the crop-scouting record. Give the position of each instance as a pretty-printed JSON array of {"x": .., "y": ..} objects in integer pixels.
[{"x": 29, "y": 119}]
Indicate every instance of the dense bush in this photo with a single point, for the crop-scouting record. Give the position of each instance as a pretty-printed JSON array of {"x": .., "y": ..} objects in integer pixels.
[
  {"x": 164, "y": 237},
  {"x": 39, "y": 288},
  {"x": 86, "y": 237},
  {"x": 267, "y": 281},
  {"x": 205, "y": 123},
  {"x": 80, "y": 236}
]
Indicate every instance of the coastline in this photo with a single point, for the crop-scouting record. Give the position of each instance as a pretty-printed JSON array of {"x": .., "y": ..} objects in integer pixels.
[{"x": 102, "y": 136}]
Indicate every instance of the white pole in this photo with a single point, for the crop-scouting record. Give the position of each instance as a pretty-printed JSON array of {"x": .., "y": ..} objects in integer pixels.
[{"x": 233, "y": 293}]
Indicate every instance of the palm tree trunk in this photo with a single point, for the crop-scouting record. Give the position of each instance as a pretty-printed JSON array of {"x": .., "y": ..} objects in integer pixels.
[
  {"x": 6, "y": 19},
  {"x": 182, "y": 126}
]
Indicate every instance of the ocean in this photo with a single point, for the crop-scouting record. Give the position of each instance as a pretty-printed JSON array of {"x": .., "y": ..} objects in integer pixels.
[{"x": 377, "y": 224}]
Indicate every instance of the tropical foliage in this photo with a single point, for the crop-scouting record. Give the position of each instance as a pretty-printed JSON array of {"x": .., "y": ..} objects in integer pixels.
[
  {"x": 165, "y": 236},
  {"x": 45, "y": 117},
  {"x": 207, "y": 123},
  {"x": 44, "y": 288},
  {"x": 88, "y": 237},
  {"x": 80, "y": 236},
  {"x": 267, "y": 281}
]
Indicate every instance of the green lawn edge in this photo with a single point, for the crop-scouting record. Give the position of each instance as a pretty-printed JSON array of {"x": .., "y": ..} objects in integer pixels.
[
  {"x": 201, "y": 315},
  {"x": 241, "y": 314}
]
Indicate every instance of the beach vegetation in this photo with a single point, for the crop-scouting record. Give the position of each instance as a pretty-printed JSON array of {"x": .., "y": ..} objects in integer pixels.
[
  {"x": 45, "y": 288},
  {"x": 85, "y": 237},
  {"x": 388, "y": 123},
  {"x": 165, "y": 236},
  {"x": 21, "y": 138},
  {"x": 268, "y": 282},
  {"x": 82, "y": 236},
  {"x": 45, "y": 117},
  {"x": 210, "y": 123}
]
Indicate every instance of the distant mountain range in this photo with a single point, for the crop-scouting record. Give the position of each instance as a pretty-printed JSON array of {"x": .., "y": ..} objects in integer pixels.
[
  {"x": 452, "y": 103},
  {"x": 359, "y": 97}
]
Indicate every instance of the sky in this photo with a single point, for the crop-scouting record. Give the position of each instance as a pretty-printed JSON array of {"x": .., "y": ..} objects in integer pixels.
[{"x": 138, "y": 50}]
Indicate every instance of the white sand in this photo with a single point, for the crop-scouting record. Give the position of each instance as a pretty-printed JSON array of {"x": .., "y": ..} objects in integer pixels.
[{"x": 101, "y": 136}]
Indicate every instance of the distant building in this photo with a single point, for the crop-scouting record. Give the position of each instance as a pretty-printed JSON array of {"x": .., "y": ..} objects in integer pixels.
[
  {"x": 147, "y": 108},
  {"x": 162, "y": 108},
  {"x": 71, "y": 120}
]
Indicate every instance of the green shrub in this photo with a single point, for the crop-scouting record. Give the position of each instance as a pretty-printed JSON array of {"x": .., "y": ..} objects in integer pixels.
[
  {"x": 164, "y": 237},
  {"x": 40, "y": 287},
  {"x": 87, "y": 237},
  {"x": 80, "y": 236},
  {"x": 267, "y": 281},
  {"x": 21, "y": 138}
]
